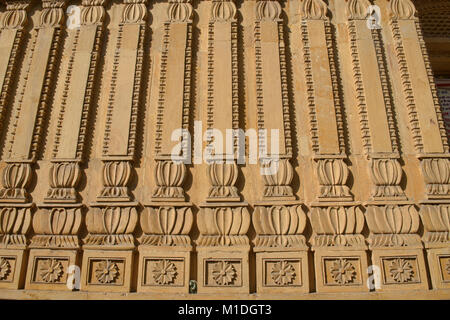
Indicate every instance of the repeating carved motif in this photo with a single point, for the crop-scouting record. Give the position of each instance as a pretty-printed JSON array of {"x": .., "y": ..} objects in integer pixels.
[
  {"x": 56, "y": 227},
  {"x": 436, "y": 172},
  {"x": 357, "y": 9},
  {"x": 223, "y": 226},
  {"x": 16, "y": 16},
  {"x": 402, "y": 9},
  {"x": 224, "y": 273},
  {"x": 223, "y": 176},
  {"x": 13, "y": 20},
  {"x": 51, "y": 270},
  {"x": 107, "y": 272},
  {"x": 278, "y": 184},
  {"x": 386, "y": 175},
  {"x": 5, "y": 268},
  {"x": 436, "y": 222},
  {"x": 52, "y": 14},
  {"x": 283, "y": 273},
  {"x": 64, "y": 177},
  {"x": 314, "y": 9},
  {"x": 166, "y": 226},
  {"x": 135, "y": 11},
  {"x": 116, "y": 175},
  {"x": 401, "y": 270},
  {"x": 268, "y": 10},
  {"x": 405, "y": 10},
  {"x": 179, "y": 11},
  {"x": 430, "y": 75},
  {"x": 169, "y": 177},
  {"x": 92, "y": 12},
  {"x": 111, "y": 225},
  {"x": 15, "y": 179},
  {"x": 407, "y": 87},
  {"x": 332, "y": 172},
  {"x": 223, "y": 221},
  {"x": 164, "y": 272},
  {"x": 223, "y": 10},
  {"x": 337, "y": 226},
  {"x": 279, "y": 226},
  {"x": 393, "y": 226},
  {"x": 14, "y": 225},
  {"x": 333, "y": 176},
  {"x": 343, "y": 271}
]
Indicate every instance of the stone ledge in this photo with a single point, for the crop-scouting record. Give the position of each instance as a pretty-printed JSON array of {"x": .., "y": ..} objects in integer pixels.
[{"x": 438, "y": 294}]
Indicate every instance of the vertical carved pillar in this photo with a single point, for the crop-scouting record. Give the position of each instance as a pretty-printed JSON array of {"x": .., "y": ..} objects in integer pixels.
[
  {"x": 25, "y": 138},
  {"x": 109, "y": 246},
  {"x": 428, "y": 133},
  {"x": 11, "y": 38},
  {"x": 381, "y": 148},
  {"x": 223, "y": 220},
  {"x": 165, "y": 248},
  {"x": 336, "y": 219},
  {"x": 58, "y": 220},
  {"x": 279, "y": 220}
]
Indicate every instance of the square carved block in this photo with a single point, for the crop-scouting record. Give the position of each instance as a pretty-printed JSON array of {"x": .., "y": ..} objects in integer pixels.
[
  {"x": 12, "y": 268},
  {"x": 341, "y": 270},
  {"x": 163, "y": 270},
  {"x": 279, "y": 272},
  {"x": 223, "y": 270},
  {"x": 48, "y": 269},
  {"x": 439, "y": 263},
  {"x": 107, "y": 270},
  {"x": 401, "y": 269}
]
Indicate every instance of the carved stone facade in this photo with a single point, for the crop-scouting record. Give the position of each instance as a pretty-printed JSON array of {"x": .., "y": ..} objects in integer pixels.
[{"x": 335, "y": 178}]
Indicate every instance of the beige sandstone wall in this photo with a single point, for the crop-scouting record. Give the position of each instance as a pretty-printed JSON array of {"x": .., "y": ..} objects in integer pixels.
[{"x": 87, "y": 116}]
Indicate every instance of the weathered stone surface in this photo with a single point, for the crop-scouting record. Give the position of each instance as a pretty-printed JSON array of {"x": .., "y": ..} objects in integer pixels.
[{"x": 117, "y": 172}]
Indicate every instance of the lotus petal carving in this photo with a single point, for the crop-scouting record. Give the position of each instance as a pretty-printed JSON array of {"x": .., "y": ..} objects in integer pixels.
[
  {"x": 392, "y": 219},
  {"x": 402, "y": 9}
]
